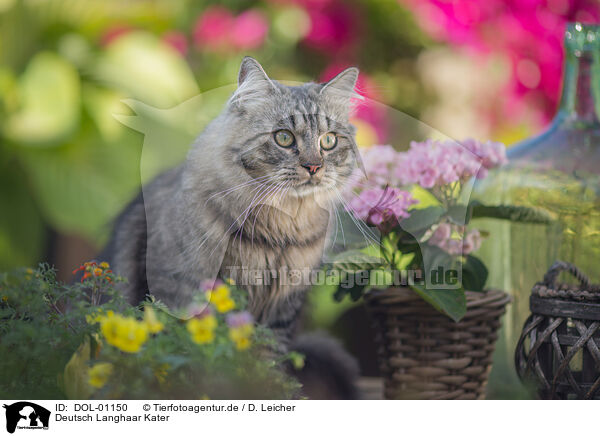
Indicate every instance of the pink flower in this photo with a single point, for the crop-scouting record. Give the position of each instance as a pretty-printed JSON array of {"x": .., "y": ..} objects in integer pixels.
[
  {"x": 453, "y": 246},
  {"x": 527, "y": 33},
  {"x": 209, "y": 285},
  {"x": 472, "y": 241},
  {"x": 332, "y": 28},
  {"x": 177, "y": 40},
  {"x": 382, "y": 207},
  {"x": 239, "y": 319},
  {"x": 217, "y": 29},
  {"x": 249, "y": 30},
  {"x": 444, "y": 237},
  {"x": 436, "y": 163},
  {"x": 441, "y": 234},
  {"x": 199, "y": 311},
  {"x": 114, "y": 33},
  {"x": 428, "y": 177},
  {"x": 212, "y": 28}
]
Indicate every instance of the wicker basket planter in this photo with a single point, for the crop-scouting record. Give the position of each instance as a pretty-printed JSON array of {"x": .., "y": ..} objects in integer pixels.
[
  {"x": 559, "y": 348},
  {"x": 423, "y": 354}
]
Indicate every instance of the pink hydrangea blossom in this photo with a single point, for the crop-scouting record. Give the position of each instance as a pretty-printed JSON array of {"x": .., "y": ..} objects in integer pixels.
[
  {"x": 441, "y": 234},
  {"x": 378, "y": 161},
  {"x": 382, "y": 207},
  {"x": 455, "y": 239},
  {"x": 436, "y": 163}
]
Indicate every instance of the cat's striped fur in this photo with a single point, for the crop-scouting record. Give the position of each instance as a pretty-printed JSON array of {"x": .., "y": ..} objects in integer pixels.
[{"x": 242, "y": 201}]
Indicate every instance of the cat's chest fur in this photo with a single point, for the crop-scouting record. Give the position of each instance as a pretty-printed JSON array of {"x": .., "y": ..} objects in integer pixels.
[{"x": 273, "y": 255}]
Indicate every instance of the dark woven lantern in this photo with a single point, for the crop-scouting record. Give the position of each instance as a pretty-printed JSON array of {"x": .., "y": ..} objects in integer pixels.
[{"x": 559, "y": 346}]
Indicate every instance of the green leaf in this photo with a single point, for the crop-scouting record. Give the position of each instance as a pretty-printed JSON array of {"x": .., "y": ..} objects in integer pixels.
[
  {"x": 459, "y": 214},
  {"x": 474, "y": 274},
  {"x": 451, "y": 302},
  {"x": 50, "y": 102},
  {"x": 81, "y": 186},
  {"x": 422, "y": 219},
  {"x": 521, "y": 214},
  {"x": 425, "y": 198},
  {"x": 352, "y": 261},
  {"x": 21, "y": 226},
  {"x": 145, "y": 68}
]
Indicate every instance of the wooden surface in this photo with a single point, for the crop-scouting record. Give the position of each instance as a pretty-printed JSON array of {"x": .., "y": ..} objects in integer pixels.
[{"x": 371, "y": 388}]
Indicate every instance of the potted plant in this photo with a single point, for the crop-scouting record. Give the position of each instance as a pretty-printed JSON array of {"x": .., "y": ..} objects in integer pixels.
[
  {"x": 104, "y": 348},
  {"x": 435, "y": 322}
]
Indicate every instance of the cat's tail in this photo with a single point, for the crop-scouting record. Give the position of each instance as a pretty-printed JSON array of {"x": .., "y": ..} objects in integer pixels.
[{"x": 329, "y": 371}]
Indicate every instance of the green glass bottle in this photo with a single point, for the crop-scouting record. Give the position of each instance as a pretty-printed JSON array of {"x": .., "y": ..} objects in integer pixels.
[{"x": 558, "y": 173}]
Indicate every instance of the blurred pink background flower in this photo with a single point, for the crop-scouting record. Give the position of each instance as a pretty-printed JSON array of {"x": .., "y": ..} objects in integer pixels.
[
  {"x": 217, "y": 29},
  {"x": 113, "y": 33},
  {"x": 177, "y": 40},
  {"x": 333, "y": 26},
  {"x": 249, "y": 30},
  {"x": 528, "y": 33}
]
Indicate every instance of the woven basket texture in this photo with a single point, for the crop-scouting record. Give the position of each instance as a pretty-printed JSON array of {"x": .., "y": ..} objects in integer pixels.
[{"x": 423, "y": 354}]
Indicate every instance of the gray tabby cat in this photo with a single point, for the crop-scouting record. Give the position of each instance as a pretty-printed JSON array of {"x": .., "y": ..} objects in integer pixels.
[{"x": 254, "y": 194}]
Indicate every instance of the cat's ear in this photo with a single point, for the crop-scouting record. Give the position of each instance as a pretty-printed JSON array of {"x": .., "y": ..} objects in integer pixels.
[
  {"x": 343, "y": 84},
  {"x": 339, "y": 93},
  {"x": 252, "y": 73},
  {"x": 253, "y": 84}
]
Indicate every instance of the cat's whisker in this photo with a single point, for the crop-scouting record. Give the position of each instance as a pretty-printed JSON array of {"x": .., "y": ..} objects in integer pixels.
[
  {"x": 367, "y": 234},
  {"x": 227, "y": 232},
  {"x": 277, "y": 191},
  {"x": 261, "y": 202},
  {"x": 263, "y": 194},
  {"x": 237, "y": 187}
]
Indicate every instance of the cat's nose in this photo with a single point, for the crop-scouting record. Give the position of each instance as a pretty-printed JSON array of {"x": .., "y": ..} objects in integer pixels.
[{"x": 312, "y": 168}]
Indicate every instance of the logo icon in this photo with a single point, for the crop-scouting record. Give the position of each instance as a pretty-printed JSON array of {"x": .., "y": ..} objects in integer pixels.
[{"x": 26, "y": 415}]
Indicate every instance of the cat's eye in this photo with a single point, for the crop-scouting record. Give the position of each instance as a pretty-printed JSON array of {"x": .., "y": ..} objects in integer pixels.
[
  {"x": 284, "y": 138},
  {"x": 328, "y": 141}
]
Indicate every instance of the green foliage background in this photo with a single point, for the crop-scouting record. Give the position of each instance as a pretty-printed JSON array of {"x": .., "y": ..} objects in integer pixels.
[{"x": 68, "y": 165}]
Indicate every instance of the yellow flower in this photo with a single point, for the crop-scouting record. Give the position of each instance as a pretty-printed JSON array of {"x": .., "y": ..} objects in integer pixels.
[
  {"x": 125, "y": 333},
  {"x": 99, "y": 374},
  {"x": 97, "y": 317},
  {"x": 241, "y": 335},
  {"x": 220, "y": 298},
  {"x": 153, "y": 324},
  {"x": 230, "y": 282},
  {"x": 202, "y": 329},
  {"x": 104, "y": 265}
]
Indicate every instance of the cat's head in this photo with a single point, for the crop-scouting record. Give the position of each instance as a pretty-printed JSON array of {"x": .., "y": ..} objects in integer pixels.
[{"x": 295, "y": 136}]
